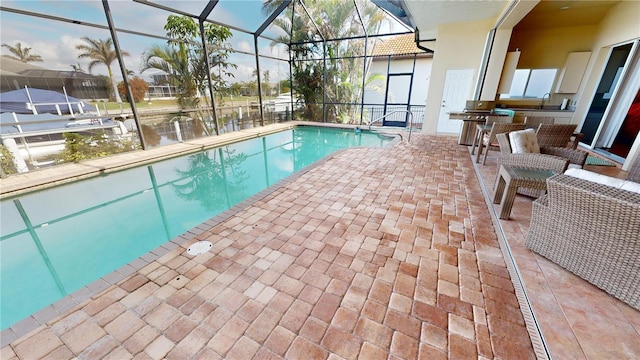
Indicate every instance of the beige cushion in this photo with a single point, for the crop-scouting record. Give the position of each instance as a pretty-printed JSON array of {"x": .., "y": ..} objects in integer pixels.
[
  {"x": 604, "y": 179},
  {"x": 524, "y": 141},
  {"x": 631, "y": 186}
]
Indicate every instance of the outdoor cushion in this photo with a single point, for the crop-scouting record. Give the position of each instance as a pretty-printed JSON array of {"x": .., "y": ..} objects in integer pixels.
[
  {"x": 604, "y": 180},
  {"x": 524, "y": 141},
  {"x": 631, "y": 186}
]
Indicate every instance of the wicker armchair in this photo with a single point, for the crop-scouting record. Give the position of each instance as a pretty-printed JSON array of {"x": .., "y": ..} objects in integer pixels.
[
  {"x": 592, "y": 230},
  {"x": 634, "y": 170},
  {"x": 555, "y": 135},
  {"x": 533, "y": 122},
  {"x": 490, "y": 140},
  {"x": 489, "y": 120},
  {"x": 575, "y": 156},
  {"x": 499, "y": 119}
]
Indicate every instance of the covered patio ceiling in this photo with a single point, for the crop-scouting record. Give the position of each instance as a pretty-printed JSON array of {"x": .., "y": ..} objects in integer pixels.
[{"x": 426, "y": 16}]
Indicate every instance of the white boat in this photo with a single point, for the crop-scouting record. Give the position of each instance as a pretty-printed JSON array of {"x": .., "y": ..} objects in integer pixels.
[
  {"x": 281, "y": 103},
  {"x": 33, "y": 137}
]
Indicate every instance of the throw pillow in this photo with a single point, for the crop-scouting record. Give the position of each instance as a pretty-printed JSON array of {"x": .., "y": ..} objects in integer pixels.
[{"x": 524, "y": 141}]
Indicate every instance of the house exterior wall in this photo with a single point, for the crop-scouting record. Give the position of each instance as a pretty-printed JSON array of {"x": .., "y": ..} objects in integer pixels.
[
  {"x": 548, "y": 49},
  {"x": 458, "y": 46},
  {"x": 374, "y": 94}
]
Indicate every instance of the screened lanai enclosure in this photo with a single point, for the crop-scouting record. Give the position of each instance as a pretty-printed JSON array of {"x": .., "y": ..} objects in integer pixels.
[{"x": 203, "y": 68}]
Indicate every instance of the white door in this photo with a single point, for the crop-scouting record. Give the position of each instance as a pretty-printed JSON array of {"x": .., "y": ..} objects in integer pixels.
[{"x": 457, "y": 90}]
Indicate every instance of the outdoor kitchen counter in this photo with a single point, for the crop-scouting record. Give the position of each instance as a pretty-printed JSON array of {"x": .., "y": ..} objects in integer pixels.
[
  {"x": 469, "y": 121},
  {"x": 560, "y": 116}
]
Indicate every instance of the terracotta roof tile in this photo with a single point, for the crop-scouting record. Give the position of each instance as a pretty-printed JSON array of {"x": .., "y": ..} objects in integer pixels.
[{"x": 398, "y": 45}]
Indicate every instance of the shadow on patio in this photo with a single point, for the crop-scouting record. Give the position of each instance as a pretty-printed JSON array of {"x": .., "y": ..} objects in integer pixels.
[{"x": 577, "y": 320}]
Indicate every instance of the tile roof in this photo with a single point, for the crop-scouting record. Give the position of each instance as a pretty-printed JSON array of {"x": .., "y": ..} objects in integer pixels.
[{"x": 398, "y": 45}]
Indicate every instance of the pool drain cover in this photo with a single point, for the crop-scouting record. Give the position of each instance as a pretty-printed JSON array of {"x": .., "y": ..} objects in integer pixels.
[{"x": 199, "y": 248}]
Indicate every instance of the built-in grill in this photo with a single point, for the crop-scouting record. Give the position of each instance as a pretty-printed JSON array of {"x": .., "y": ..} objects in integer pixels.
[{"x": 475, "y": 112}]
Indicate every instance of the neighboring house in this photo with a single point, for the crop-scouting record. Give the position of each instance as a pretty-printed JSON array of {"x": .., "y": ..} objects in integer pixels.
[
  {"x": 16, "y": 75},
  {"x": 405, "y": 69},
  {"x": 159, "y": 88}
]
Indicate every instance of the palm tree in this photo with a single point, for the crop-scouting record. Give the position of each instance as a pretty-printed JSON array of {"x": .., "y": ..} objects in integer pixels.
[
  {"x": 101, "y": 52},
  {"x": 21, "y": 53},
  {"x": 176, "y": 64},
  {"x": 341, "y": 77}
]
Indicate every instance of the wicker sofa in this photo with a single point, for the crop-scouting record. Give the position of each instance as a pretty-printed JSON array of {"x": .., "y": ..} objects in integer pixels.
[{"x": 592, "y": 230}]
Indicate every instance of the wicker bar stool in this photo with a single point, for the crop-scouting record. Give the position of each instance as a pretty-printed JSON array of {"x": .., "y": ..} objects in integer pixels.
[
  {"x": 491, "y": 142},
  {"x": 482, "y": 129}
]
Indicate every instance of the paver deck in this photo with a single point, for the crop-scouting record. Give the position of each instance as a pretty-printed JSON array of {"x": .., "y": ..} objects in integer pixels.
[{"x": 372, "y": 254}]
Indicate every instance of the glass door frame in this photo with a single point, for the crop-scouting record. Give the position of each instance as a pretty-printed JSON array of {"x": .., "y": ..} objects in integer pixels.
[
  {"x": 611, "y": 122},
  {"x": 406, "y": 105}
]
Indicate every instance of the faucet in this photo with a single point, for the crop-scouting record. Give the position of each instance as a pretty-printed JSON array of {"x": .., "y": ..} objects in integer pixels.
[{"x": 542, "y": 100}]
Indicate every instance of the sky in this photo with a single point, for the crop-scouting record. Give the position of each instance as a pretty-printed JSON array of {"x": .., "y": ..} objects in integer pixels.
[{"x": 56, "y": 41}]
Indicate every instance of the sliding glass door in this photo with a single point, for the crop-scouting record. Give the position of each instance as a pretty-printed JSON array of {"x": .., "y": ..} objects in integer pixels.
[{"x": 604, "y": 92}]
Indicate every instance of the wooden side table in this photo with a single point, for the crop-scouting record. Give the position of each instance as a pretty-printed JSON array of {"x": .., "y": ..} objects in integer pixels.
[{"x": 512, "y": 178}]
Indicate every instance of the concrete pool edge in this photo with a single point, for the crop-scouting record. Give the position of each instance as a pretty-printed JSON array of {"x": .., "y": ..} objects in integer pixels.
[
  {"x": 18, "y": 184},
  {"x": 80, "y": 297}
]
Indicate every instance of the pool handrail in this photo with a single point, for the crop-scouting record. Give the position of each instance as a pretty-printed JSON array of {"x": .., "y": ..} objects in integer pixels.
[{"x": 410, "y": 122}]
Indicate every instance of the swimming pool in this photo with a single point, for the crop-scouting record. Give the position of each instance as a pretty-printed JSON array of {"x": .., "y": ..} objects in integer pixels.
[{"x": 56, "y": 241}]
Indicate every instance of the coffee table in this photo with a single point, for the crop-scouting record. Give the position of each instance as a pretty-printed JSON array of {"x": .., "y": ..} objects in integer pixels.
[{"x": 512, "y": 178}]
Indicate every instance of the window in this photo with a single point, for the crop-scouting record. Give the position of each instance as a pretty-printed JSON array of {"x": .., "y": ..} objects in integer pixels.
[{"x": 530, "y": 83}]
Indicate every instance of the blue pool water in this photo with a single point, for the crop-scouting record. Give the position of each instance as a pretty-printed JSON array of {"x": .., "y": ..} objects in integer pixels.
[{"x": 56, "y": 241}]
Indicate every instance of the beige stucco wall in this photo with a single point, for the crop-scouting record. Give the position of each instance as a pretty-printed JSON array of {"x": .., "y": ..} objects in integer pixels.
[
  {"x": 459, "y": 46},
  {"x": 621, "y": 23},
  {"x": 548, "y": 48}
]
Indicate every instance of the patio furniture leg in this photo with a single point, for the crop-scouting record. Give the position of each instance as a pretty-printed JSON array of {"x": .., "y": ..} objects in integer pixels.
[
  {"x": 486, "y": 152},
  {"x": 498, "y": 189},
  {"x": 479, "y": 151},
  {"x": 475, "y": 142},
  {"x": 507, "y": 200}
]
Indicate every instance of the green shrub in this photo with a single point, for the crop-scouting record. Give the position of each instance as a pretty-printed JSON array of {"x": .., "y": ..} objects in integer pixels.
[
  {"x": 82, "y": 147},
  {"x": 7, "y": 161}
]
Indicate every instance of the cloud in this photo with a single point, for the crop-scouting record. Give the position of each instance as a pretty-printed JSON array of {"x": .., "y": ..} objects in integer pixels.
[
  {"x": 244, "y": 46},
  {"x": 277, "y": 51},
  {"x": 56, "y": 41},
  {"x": 243, "y": 73}
]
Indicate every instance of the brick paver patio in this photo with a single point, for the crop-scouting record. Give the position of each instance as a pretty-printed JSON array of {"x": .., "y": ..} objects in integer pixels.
[{"x": 371, "y": 254}]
